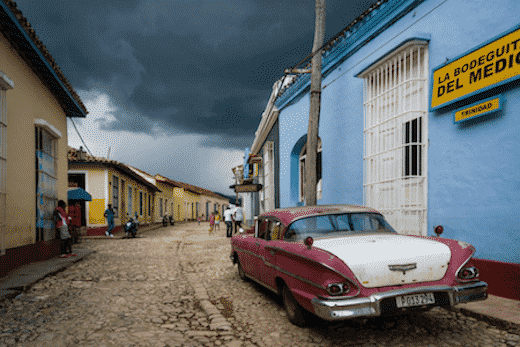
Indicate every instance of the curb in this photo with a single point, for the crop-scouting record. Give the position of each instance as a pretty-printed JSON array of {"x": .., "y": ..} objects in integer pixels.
[
  {"x": 496, "y": 322},
  {"x": 218, "y": 321},
  {"x": 23, "y": 278}
]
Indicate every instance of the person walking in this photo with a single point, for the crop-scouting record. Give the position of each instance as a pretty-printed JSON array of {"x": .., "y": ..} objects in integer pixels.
[
  {"x": 211, "y": 222},
  {"x": 109, "y": 215},
  {"x": 62, "y": 220},
  {"x": 238, "y": 216},
  {"x": 228, "y": 218},
  {"x": 217, "y": 220}
]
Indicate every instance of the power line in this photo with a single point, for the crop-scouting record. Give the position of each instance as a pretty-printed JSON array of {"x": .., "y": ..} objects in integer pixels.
[{"x": 77, "y": 131}]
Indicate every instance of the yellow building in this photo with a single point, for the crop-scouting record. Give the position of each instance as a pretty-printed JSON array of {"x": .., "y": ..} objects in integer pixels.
[
  {"x": 130, "y": 191},
  {"x": 191, "y": 202},
  {"x": 36, "y": 100}
]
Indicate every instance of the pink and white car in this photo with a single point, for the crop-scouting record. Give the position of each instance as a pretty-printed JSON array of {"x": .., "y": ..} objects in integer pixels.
[{"x": 345, "y": 261}]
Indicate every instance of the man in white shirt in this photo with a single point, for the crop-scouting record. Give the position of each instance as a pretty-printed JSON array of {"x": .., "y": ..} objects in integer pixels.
[
  {"x": 239, "y": 217},
  {"x": 228, "y": 218}
]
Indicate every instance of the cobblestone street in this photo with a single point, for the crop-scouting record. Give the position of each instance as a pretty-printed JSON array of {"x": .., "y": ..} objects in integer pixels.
[{"x": 175, "y": 286}]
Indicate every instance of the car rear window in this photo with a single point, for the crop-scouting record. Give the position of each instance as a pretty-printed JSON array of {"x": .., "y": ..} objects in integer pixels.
[{"x": 336, "y": 225}]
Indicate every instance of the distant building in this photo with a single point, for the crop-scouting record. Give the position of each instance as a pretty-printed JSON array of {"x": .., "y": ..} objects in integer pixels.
[
  {"x": 191, "y": 202},
  {"x": 36, "y": 100},
  {"x": 129, "y": 191},
  {"x": 418, "y": 120}
]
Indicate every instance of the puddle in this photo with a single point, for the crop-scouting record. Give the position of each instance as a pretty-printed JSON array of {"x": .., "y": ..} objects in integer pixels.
[{"x": 227, "y": 312}]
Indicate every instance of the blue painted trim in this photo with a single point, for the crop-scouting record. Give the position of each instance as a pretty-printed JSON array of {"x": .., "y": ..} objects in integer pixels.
[
  {"x": 460, "y": 56},
  {"x": 361, "y": 33},
  {"x": 30, "y": 42},
  {"x": 419, "y": 37},
  {"x": 500, "y": 98}
]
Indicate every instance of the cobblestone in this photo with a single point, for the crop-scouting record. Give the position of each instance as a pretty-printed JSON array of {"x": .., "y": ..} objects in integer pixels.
[{"x": 176, "y": 286}]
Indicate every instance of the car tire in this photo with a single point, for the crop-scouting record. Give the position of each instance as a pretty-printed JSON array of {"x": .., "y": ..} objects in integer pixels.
[
  {"x": 241, "y": 272},
  {"x": 295, "y": 313}
]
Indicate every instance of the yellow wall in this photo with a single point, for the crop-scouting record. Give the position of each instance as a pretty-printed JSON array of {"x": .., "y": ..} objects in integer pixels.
[{"x": 29, "y": 100}]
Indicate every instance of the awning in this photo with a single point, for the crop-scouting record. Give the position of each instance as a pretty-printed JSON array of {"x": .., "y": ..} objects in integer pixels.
[{"x": 79, "y": 194}]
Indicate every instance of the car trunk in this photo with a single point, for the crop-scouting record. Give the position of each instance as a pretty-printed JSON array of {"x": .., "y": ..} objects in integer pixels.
[{"x": 380, "y": 260}]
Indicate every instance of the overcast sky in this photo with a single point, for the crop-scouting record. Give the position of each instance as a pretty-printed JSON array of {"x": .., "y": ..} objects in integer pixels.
[{"x": 178, "y": 87}]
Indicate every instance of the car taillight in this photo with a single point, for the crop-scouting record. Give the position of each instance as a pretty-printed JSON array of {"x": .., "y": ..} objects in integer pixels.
[
  {"x": 338, "y": 288},
  {"x": 468, "y": 273}
]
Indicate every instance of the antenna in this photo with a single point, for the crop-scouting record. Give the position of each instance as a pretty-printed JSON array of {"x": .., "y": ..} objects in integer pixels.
[{"x": 108, "y": 154}]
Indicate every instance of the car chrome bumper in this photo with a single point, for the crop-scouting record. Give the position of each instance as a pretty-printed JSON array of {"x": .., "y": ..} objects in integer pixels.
[{"x": 385, "y": 303}]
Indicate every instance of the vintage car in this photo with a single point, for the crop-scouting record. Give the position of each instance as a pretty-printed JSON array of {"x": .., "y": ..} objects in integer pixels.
[{"x": 344, "y": 261}]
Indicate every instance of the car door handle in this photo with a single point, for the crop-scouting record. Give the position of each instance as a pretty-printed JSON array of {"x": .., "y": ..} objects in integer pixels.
[
  {"x": 257, "y": 243},
  {"x": 271, "y": 250}
]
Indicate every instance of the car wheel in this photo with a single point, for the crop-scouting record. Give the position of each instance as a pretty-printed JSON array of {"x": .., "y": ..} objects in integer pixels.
[
  {"x": 241, "y": 271},
  {"x": 295, "y": 313}
]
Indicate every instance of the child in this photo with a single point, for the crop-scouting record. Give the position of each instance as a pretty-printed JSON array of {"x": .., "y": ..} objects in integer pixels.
[
  {"x": 211, "y": 222},
  {"x": 217, "y": 220}
]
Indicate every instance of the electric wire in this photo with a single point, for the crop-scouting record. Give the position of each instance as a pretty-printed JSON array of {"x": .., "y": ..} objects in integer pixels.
[{"x": 81, "y": 138}]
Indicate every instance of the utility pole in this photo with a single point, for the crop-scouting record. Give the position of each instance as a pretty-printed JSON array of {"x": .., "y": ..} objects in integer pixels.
[{"x": 314, "y": 113}]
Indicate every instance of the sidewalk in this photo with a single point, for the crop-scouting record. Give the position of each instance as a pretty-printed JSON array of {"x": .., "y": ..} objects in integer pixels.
[
  {"x": 22, "y": 278},
  {"x": 495, "y": 310}
]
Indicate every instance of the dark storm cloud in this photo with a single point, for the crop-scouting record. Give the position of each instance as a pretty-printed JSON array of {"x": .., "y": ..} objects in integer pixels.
[{"x": 192, "y": 67}]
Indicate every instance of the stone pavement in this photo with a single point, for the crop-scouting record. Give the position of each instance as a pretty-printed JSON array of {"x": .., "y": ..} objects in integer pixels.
[{"x": 175, "y": 286}]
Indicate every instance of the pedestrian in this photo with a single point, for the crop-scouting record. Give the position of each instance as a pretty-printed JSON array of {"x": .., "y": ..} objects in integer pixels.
[
  {"x": 109, "y": 215},
  {"x": 199, "y": 218},
  {"x": 238, "y": 216},
  {"x": 228, "y": 218},
  {"x": 62, "y": 220},
  {"x": 74, "y": 212},
  {"x": 211, "y": 222},
  {"x": 217, "y": 220}
]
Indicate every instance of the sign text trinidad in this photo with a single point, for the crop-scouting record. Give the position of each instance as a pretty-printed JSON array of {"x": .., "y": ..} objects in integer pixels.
[{"x": 491, "y": 64}]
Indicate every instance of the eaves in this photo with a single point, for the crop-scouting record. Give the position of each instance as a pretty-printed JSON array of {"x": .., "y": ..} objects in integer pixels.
[
  {"x": 382, "y": 15},
  {"x": 22, "y": 36}
]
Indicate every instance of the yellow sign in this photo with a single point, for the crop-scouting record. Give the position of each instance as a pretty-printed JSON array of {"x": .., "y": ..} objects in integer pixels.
[
  {"x": 478, "y": 109},
  {"x": 494, "y": 63}
]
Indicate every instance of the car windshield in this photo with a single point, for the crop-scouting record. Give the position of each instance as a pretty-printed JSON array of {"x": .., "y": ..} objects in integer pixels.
[{"x": 333, "y": 225}]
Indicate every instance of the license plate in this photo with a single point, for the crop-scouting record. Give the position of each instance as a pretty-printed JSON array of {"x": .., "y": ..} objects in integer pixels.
[{"x": 415, "y": 300}]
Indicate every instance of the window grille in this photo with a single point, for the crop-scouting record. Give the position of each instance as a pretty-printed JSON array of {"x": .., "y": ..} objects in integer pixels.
[
  {"x": 396, "y": 133},
  {"x": 115, "y": 195},
  {"x": 46, "y": 184},
  {"x": 130, "y": 207},
  {"x": 302, "y": 178},
  {"x": 267, "y": 192},
  {"x": 140, "y": 203}
]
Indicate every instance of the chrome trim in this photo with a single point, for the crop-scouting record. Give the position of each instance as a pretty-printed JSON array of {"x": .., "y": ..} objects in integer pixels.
[
  {"x": 333, "y": 310},
  {"x": 460, "y": 268}
]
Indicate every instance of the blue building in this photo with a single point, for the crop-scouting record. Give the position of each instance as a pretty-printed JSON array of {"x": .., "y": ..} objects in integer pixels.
[{"x": 419, "y": 119}]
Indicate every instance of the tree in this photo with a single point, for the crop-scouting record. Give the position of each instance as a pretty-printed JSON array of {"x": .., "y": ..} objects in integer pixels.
[{"x": 315, "y": 105}]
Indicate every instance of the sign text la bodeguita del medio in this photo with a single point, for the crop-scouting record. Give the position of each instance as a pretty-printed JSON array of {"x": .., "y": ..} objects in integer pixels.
[{"x": 496, "y": 62}]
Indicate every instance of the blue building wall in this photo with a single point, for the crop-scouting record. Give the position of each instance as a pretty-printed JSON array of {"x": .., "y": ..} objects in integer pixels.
[{"x": 473, "y": 167}]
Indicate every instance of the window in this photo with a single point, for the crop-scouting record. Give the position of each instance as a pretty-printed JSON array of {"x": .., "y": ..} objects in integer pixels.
[
  {"x": 46, "y": 183},
  {"x": 149, "y": 205},
  {"x": 129, "y": 198},
  {"x": 166, "y": 206},
  {"x": 140, "y": 203},
  {"x": 302, "y": 179},
  {"x": 115, "y": 195},
  {"x": 396, "y": 129},
  {"x": 160, "y": 207},
  {"x": 412, "y": 149}
]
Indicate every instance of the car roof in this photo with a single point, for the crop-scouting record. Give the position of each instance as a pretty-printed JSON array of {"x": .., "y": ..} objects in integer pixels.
[{"x": 290, "y": 214}]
